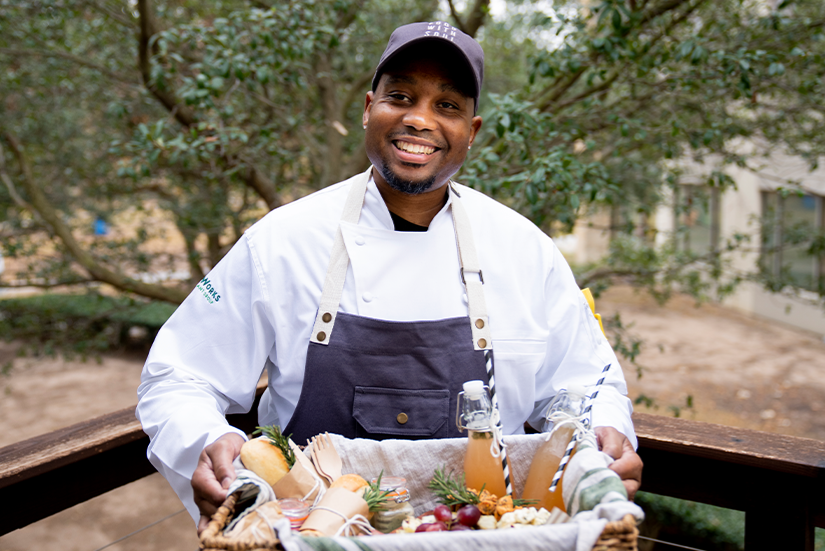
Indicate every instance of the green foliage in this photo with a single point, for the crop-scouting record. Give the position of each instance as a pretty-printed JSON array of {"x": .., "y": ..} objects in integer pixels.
[
  {"x": 634, "y": 87},
  {"x": 692, "y": 524},
  {"x": 86, "y": 324},
  {"x": 239, "y": 109},
  {"x": 235, "y": 108}
]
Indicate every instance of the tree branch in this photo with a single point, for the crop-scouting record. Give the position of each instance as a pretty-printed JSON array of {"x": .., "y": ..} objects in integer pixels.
[
  {"x": 105, "y": 10},
  {"x": 262, "y": 185},
  {"x": 605, "y": 272},
  {"x": 555, "y": 93},
  {"x": 476, "y": 17},
  {"x": 456, "y": 17},
  {"x": 48, "y": 284},
  {"x": 660, "y": 9},
  {"x": 67, "y": 56},
  {"x": 146, "y": 49},
  {"x": 98, "y": 272},
  {"x": 9, "y": 184},
  {"x": 357, "y": 88},
  {"x": 182, "y": 113}
]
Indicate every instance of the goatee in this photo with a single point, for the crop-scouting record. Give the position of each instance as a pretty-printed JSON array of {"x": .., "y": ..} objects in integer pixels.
[{"x": 406, "y": 186}]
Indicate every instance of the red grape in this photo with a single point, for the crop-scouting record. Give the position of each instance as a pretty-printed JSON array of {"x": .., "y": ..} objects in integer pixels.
[
  {"x": 432, "y": 527},
  {"x": 456, "y": 527},
  {"x": 469, "y": 515},
  {"x": 443, "y": 513}
]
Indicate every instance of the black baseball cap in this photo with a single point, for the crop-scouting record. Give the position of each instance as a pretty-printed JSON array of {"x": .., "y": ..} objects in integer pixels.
[{"x": 437, "y": 32}]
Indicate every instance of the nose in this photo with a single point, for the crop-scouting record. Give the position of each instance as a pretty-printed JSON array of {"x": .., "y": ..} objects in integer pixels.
[{"x": 420, "y": 117}]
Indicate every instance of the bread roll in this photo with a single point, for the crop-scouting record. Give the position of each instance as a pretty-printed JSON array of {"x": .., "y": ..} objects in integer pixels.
[
  {"x": 351, "y": 482},
  {"x": 264, "y": 459}
]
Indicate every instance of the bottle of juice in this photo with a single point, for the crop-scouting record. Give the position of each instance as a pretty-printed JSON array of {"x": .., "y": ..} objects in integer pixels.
[
  {"x": 482, "y": 464},
  {"x": 548, "y": 456}
]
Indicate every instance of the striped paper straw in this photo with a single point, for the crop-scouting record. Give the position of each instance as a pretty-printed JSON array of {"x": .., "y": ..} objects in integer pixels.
[
  {"x": 569, "y": 450},
  {"x": 488, "y": 358},
  {"x": 563, "y": 463},
  {"x": 592, "y": 397}
]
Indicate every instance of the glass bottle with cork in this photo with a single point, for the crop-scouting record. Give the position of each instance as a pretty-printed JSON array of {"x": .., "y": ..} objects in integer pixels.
[
  {"x": 561, "y": 421},
  {"x": 482, "y": 462}
]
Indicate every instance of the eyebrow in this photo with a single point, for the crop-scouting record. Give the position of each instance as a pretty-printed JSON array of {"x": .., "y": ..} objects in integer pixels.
[{"x": 446, "y": 87}]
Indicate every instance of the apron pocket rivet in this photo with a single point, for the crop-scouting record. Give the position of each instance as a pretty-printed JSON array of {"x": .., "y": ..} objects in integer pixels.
[{"x": 402, "y": 418}]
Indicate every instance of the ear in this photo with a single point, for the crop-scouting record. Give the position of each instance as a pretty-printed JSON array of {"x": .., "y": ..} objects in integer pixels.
[
  {"x": 475, "y": 126},
  {"x": 365, "y": 118}
]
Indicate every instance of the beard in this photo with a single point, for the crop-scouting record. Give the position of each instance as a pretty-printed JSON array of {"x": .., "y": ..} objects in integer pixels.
[{"x": 410, "y": 187}]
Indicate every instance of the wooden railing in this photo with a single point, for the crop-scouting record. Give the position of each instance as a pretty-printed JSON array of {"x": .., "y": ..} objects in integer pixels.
[{"x": 779, "y": 481}]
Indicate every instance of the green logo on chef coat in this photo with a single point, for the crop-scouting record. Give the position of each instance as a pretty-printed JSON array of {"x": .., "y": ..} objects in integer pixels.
[{"x": 211, "y": 294}]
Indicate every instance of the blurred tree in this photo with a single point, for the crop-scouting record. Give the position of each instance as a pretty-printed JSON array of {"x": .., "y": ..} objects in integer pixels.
[
  {"x": 621, "y": 92},
  {"x": 171, "y": 115}
]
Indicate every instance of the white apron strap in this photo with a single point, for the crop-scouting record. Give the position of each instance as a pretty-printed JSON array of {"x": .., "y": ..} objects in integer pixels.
[
  {"x": 471, "y": 274},
  {"x": 338, "y": 262}
]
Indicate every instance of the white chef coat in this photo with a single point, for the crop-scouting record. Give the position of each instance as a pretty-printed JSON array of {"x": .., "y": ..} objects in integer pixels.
[{"x": 257, "y": 307}]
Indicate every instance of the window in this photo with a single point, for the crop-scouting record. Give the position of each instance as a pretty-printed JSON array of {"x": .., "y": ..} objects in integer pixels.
[
  {"x": 789, "y": 224},
  {"x": 696, "y": 212}
]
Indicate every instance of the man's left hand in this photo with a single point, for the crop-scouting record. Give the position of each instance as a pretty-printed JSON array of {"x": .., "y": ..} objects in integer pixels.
[{"x": 628, "y": 464}]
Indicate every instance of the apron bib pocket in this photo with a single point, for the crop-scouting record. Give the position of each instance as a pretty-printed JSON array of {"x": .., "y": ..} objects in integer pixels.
[{"x": 399, "y": 413}]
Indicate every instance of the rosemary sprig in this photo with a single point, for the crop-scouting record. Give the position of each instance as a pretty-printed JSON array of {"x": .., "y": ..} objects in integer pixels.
[
  {"x": 375, "y": 496},
  {"x": 451, "y": 490},
  {"x": 277, "y": 439}
]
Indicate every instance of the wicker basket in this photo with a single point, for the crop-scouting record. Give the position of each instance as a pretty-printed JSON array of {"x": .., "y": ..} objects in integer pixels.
[{"x": 619, "y": 535}]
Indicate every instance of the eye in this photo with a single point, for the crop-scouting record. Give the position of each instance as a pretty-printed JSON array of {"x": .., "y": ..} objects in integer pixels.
[{"x": 448, "y": 105}]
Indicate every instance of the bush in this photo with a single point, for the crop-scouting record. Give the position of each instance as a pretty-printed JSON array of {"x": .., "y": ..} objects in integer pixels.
[
  {"x": 695, "y": 524},
  {"x": 689, "y": 523},
  {"x": 82, "y": 324}
]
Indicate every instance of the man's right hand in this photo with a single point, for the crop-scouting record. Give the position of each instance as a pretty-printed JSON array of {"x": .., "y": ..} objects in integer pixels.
[{"x": 214, "y": 474}]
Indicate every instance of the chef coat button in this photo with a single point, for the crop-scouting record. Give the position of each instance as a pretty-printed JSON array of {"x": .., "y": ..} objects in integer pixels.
[
  {"x": 367, "y": 297},
  {"x": 327, "y": 317},
  {"x": 402, "y": 418},
  {"x": 482, "y": 343},
  {"x": 322, "y": 336},
  {"x": 480, "y": 323},
  {"x": 360, "y": 240}
]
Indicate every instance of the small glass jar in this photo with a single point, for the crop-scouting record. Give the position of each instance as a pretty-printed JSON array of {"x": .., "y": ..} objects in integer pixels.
[
  {"x": 396, "y": 508},
  {"x": 296, "y": 510}
]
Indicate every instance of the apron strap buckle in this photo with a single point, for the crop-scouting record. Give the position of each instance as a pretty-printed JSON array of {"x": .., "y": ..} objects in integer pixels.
[{"x": 479, "y": 272}]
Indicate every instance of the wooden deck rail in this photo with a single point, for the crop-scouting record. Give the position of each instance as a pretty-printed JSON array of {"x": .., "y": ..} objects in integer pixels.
[{"x": 777, "y": 480}]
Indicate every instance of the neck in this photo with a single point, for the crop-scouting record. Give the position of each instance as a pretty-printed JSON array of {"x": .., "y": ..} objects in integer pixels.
[{"x": 419, "y": 209}]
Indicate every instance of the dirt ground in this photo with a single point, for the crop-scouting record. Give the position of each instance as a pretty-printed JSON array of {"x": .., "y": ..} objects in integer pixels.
[{"x": 739, "y": 371}]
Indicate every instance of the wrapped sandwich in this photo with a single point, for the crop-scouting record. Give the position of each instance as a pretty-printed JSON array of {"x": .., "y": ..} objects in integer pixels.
[
  {"x": 276, "y": 459},
  {"x": 345, "y": 507}
]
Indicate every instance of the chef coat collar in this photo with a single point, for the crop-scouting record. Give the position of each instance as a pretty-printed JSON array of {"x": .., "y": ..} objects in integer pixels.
[{"x": 376, "y": 214}]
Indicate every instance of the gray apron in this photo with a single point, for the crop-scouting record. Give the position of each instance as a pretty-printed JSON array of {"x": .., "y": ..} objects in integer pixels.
[{"x": 371, "y": 378}]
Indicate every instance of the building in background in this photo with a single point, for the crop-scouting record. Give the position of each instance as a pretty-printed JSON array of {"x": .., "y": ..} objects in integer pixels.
[{"x": 762, "y": 206}]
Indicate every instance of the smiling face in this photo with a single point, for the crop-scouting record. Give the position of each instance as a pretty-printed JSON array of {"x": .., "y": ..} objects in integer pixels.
[{"x": 420, "y": 123}]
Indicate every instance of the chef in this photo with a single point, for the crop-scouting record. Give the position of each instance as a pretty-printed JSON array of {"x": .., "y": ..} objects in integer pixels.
[{"x": 370, "y": 302}]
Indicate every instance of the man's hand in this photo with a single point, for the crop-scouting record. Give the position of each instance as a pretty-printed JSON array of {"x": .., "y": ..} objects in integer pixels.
[
  {"x": 214, "y": 474},
  {"x": 628, "y": 464}
]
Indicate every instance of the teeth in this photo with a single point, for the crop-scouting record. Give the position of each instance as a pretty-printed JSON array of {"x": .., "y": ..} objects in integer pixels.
[{"x": 414, "y": 148}]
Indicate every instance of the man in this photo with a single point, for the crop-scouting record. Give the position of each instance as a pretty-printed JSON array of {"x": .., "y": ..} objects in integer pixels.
[{"x": 356, "y": 299}]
